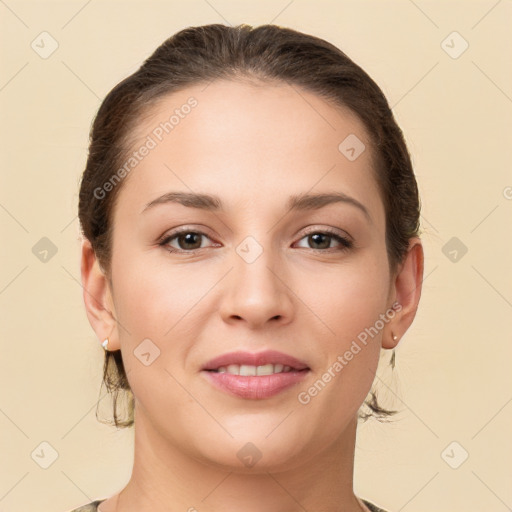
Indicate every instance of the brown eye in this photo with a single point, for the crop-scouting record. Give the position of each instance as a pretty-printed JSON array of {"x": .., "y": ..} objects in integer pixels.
[
  {"x": 321, "y": 241},
  {"x": 187, "y": 241}
]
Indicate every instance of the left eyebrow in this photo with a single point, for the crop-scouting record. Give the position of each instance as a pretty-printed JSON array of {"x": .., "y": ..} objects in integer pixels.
[
  {"x": 317, "y": 201},
  {"x": 297, "y": 202}
]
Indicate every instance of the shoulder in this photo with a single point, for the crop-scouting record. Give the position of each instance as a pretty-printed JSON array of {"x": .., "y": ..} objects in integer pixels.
[
  {"x": 90, "y": 507},
  {"x": 372, "y": 507}
]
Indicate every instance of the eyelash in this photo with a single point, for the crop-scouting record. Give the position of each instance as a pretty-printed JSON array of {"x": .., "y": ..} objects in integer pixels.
[{"x": 346, "y": 244}]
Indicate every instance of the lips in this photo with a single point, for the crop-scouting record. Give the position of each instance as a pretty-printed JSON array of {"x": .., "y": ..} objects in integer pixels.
[
  {"x": 255, "y": 376},
  {"x": 255, "y": 359}
]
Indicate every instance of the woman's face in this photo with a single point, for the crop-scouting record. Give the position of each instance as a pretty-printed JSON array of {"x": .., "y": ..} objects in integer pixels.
[{"x": 252, "y": 275}]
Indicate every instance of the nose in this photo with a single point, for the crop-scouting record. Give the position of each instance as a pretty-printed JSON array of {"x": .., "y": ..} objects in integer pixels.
[{"x": 257, "y": 292}]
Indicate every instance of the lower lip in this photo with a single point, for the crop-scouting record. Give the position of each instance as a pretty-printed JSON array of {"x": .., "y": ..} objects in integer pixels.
[{"x": 255, "y": 387}]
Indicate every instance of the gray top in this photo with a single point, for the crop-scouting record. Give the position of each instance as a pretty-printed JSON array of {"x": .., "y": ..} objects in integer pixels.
[{"x": 93, "y": 506}]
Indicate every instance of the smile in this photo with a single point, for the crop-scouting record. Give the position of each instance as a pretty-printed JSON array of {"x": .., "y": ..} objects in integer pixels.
[
  {"x": 242, "y": 381},
  {"x": 246, "y": 370}
]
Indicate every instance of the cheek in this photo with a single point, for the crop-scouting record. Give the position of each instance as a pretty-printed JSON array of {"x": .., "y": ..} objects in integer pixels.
[
  {"x": 151, "y": 304},
  {"x": 348, "y": 299},
  {"x": 152, "y": 298},
  {"x": 349, "y": 312}
]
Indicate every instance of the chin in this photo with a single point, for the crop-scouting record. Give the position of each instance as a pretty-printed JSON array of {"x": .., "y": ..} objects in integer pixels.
[{"x": 253, "y": 452}]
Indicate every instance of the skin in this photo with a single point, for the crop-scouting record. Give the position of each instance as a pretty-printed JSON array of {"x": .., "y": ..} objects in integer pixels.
[{"x": 253, "y": 145}]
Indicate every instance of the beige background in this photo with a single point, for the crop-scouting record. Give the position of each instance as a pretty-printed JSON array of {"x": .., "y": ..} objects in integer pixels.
[{"x": 453, "y": 378}]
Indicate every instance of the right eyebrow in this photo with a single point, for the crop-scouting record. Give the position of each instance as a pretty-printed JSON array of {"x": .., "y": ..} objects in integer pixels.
[{"x": 191, "y": 200}]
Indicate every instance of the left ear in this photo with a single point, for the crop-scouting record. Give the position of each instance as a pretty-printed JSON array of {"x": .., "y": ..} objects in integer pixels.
[{"x": 406, "y": 288}]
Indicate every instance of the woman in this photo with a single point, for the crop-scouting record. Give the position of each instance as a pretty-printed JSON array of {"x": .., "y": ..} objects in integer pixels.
[{"x": 251, "y": 244}]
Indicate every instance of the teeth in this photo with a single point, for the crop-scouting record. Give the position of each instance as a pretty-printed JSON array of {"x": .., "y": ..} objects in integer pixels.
[
  {"x": 267, "y": 369},
  {"x": 234, "y": 369},
  {"x": 246, "y": 370}
]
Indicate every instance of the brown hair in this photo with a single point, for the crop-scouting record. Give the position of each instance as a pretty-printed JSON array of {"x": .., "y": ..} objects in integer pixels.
[{"x": 266, "y": 53}]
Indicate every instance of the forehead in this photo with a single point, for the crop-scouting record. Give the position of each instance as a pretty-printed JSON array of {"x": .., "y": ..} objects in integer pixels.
[{"x": 249, "y": 143}]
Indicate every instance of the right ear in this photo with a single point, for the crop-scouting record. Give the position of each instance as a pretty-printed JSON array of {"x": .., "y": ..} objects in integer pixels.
[{"x": 98, "y": 298}]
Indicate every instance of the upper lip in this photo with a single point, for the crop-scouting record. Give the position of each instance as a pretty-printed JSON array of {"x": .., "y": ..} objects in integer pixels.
[{"x": 255, "y": 359}]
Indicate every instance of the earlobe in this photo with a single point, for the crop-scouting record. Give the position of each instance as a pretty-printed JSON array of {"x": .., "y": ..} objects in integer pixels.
[
  {"x": 97, "y": 298},
  {"x": 407, "y": 291}
]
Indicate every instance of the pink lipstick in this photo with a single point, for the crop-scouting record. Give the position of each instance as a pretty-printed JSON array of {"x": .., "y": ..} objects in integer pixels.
[{"x": 255, "y": 375}]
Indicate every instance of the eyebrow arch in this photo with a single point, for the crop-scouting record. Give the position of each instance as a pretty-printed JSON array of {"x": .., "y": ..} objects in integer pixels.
[
  {"x": 189, "y": 199},
  {"x": 317, "y": 201},
  {"x": 296, "y": 202}
]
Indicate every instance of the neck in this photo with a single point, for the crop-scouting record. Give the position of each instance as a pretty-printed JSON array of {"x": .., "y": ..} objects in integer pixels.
[{"x": 165, "y": 478}]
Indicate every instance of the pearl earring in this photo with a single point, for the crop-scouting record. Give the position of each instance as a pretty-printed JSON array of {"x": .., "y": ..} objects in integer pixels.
[{"x": 105, "y": 344}]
